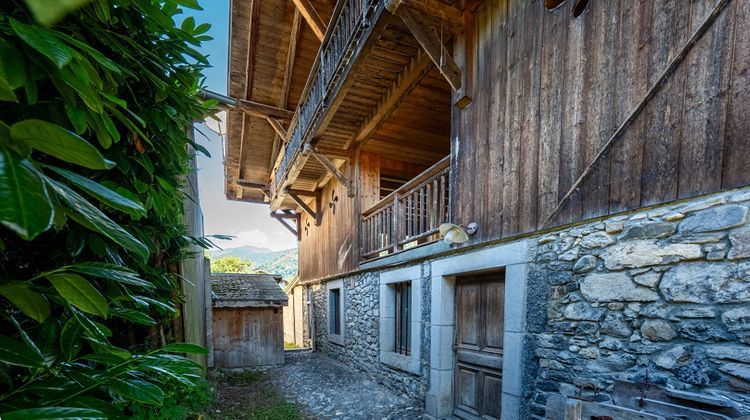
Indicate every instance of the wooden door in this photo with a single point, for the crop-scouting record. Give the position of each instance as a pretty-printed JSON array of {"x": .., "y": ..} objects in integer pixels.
[{"x": 479, "y": 346}]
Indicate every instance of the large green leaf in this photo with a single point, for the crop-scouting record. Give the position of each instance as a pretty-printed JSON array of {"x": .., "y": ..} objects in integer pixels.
[
  {"x": 26, "y": 207},
  {"x": 184, "y": 348},
  {"x": 92, "y": 218},
  {"x": 44, "y": 42},
  {"x": 6, "y": 92},
  {"x": 16, "y": 353},
  {"x": 134, "y": 316},
  {"x": 110, "y": 272},
  {"x": 48, "y": 12},
  {"x": 70, "y": 338},
  {"x": 58, "y": 142},
  {"x": 138, "y": 390},
  {"x": 102, "y": 193},
  {"x": 79, "y": 293},
  {"x": 53, "y": 413},
  {"x": 11, "y": 65},
  {"x": 31, "y": 303},
  {"x": 93, "y": 329}
]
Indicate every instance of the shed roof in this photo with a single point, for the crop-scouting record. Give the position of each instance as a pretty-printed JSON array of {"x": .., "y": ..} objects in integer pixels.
[{"x": 247, "y": 290}]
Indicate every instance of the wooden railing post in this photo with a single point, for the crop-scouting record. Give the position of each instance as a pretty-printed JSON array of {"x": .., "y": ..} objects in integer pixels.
[{"x": 395, "y": 224}]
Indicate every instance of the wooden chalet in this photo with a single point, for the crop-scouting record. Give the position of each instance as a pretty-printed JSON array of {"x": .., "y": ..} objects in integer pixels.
[
  {"x": 351, "y": 111},
  {"x": 366, "y": 124}
]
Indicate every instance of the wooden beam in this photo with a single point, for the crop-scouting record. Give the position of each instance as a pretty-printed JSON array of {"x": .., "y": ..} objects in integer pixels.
[
  {"x": 285, "y": 215},
  {"x": 257, "y": 109},
  {"x": 315, "y": 215},
  {"x": 332, "y": 153},
  {"x": 251, "y": 184},
  {"x": 436, "y": 8},
  {"x": 286, "y": 225},
  {"x": 277, "y": 127},
  {"x": 311, "y": 17},
  {"x": 241, "y": 183},
  {"x": 406, "y": 81},
  {"x": 303, "y": 193},
  {"x": 432, "y": 45},
  {"x": 463, "y": 53},
  {"x": 291, "y": 54},
  {"x": 249, "y": 70},
  {"x": 331, "y": 167}
]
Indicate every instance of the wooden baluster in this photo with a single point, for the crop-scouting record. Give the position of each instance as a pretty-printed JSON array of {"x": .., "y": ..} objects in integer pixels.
[
  {"x": 434, "y": 216},
  {"x": 380, "y": 229},
  {"x": 421, "y": 210},
  {"x": 394, "y": 224},
  {"x": 442, "y": 199}
]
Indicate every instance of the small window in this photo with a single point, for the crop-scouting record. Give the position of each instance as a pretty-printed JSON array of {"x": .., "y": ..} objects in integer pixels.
[
  {"x": 403, "y": 318},
  {"x": 334, "y": 311}
]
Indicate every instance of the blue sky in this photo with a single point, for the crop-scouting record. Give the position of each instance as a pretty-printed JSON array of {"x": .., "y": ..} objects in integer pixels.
[{"x": 249, "y": 222}]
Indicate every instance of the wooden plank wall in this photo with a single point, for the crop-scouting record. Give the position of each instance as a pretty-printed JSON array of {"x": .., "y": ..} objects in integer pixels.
[
  {"x": 245, "y": 337},
  {"x": 550, "y": 89},
  {"x": 332, "y": 247}
]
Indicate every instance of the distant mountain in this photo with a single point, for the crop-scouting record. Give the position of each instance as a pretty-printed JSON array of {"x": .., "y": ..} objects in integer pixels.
[{"x": 282, "y": 262}]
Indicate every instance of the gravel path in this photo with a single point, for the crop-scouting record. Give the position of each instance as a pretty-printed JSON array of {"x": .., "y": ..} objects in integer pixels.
[{"x": 325, "y": 388}]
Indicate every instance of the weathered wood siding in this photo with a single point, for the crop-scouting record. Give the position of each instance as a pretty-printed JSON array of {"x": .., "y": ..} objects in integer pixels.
[
  {"x": 246, "y": 337},
  {"x": 333, "y": 247},
  {"x": 550, "y": 89},
  {"x": 330, "y": 248},
  {"x": 294, "y": 318}
]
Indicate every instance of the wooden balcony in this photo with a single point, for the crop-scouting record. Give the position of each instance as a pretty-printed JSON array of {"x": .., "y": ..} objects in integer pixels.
[
  {"x": 355, "y": 21},
  {"x": 409, "y": 216}
]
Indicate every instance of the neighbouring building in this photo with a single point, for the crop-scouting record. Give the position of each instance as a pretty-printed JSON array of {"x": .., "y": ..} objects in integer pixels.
[
  {"x": 247, "y": 321},
  {"x": 296, "y": 321},
  {"x": 602, "y": 149}
]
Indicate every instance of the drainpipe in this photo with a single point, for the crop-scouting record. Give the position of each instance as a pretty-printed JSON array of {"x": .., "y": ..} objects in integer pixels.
[{"x": 223, "y": 99}]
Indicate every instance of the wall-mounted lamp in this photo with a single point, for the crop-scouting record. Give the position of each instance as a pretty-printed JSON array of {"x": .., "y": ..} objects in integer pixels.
[{"x": 457, "y": 234}]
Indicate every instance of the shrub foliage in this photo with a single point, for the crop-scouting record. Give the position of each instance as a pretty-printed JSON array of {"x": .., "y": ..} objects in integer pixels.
[{"x": 95, "y": 112}]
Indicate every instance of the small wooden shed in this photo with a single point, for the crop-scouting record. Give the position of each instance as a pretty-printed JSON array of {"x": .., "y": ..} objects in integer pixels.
[{"x": 248, "y": 326}]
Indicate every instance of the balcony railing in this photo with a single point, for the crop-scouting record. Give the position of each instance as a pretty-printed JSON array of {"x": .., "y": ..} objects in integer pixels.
[
  {"x": 352, "y": 19},
  {"x": 408, "y": 216}
]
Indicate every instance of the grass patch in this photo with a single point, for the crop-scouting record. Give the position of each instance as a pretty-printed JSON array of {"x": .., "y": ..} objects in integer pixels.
[
  {"x": 288, "y": 345},
  {"x": 249, "y": 395}
]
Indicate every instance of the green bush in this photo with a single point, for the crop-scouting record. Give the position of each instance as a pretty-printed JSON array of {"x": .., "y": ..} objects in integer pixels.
[{"x": 95, "y": 113}]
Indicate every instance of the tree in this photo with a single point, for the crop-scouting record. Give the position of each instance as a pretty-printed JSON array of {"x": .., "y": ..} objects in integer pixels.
[
  {"x": 232, "y": 265},
  {"x": 95, "y": 107}
]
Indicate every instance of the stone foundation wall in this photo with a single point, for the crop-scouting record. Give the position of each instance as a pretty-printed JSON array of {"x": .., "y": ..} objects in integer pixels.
[
  {"x": 660, "y": 295},
  {"x": 361, "y": 334}
]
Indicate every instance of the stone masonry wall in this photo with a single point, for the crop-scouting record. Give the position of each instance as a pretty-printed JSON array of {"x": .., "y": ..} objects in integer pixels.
[
  {"x": 660, "y": 295},
  {"x": 361, "y": 334}
]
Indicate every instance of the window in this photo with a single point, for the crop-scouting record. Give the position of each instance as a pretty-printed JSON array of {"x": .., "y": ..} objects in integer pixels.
[
  {"x": 403, "y": 318},
  {"x": 334, "y": 311},
  {"x": 400, "y": 319},
  {"x": 336, "y": 304}
]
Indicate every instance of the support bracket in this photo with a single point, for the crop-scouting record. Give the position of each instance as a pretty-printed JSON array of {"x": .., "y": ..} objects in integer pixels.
[
  {"x": 277, "y": 127},
  {"x": 432, "y": 45},
  {"x": 311, "y": 17},
  {"x": 330, "y": 167},
  {"x": 282, "y": 218},
  {"x": 316, "y": 214}
]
